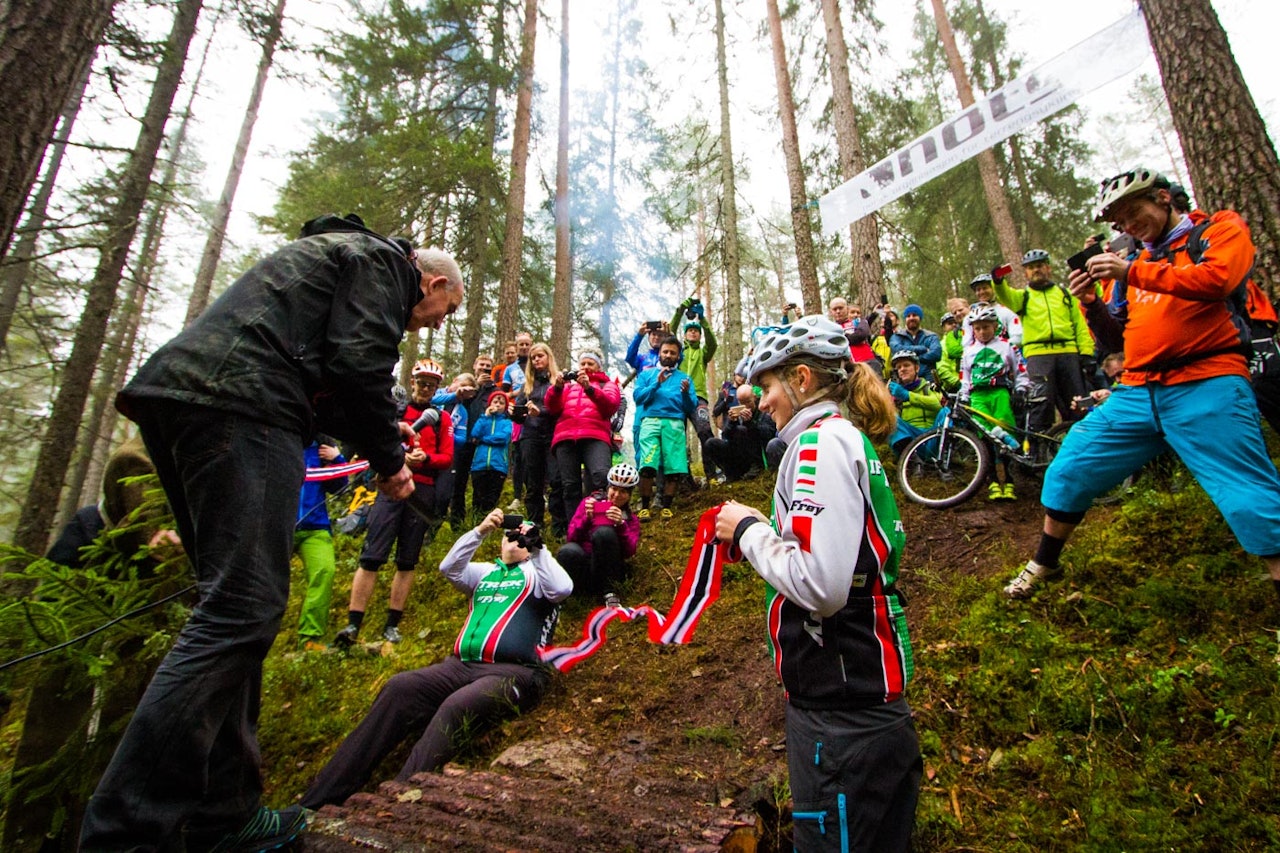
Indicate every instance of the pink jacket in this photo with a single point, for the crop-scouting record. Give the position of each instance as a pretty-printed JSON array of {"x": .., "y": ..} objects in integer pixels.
[
  {"x": 584, "y": 522},
  {"x": 583, "y": 414}
]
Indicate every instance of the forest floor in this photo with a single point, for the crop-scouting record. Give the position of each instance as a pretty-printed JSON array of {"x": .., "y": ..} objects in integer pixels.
[{"x": 650, "y": 748}]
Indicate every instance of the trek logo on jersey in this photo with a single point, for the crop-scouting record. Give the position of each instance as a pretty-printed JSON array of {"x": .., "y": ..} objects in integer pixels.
[{"x": 807, "y": 507}]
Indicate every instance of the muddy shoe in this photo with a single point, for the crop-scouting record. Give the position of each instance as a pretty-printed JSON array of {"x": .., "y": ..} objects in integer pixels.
[
  {"x": 346, "y": 637},
  {"x": 1029, "y": 578},
  {"x": 268, "y": 830},
  {"x": 391, "y": 635},
  {"x": 1009, "y": 493}
]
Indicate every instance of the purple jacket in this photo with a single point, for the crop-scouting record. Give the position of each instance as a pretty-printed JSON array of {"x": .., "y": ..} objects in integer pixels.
[
  {"x": 585, "y": 521},
  {"x": 583, "y": 414}
]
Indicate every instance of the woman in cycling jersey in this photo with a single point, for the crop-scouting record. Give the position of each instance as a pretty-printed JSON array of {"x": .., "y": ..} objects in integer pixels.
[{"x": 836, "y": 625}]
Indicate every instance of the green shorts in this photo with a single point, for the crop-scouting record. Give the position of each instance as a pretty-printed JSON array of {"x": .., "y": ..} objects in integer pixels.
[{"x": 662, "y": 446}]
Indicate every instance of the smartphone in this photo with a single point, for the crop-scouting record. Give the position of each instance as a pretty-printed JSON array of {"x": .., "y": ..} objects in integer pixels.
[
  {"x": 1083, "y": 404},
  {"x": 1080, "y": 260},
  {"x": 653, "y": 326},
  {"x": 600, "y": 507},
  {"x": 511, "y": 522},
  {"x": 1002, "y": 271}
]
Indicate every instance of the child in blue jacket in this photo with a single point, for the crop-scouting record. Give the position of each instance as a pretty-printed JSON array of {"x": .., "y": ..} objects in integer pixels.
[{"x": 491, "y": 435}]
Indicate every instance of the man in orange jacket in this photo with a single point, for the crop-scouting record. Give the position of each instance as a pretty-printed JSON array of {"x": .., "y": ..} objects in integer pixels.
[{"x": 1183, "y": 327}]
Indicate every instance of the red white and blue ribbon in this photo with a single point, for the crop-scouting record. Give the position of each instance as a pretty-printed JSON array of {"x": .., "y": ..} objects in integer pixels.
[
  {"x": 333, "y": 472},
  {"x": 699, "y": 588}
]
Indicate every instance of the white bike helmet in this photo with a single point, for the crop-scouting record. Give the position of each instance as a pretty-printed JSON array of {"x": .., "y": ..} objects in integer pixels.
[
  {"x": 814, "y": 335},
  {"x": 624, "y": 476},
  {"x": 428, "y": 367},
  {"x": 987, "y": 313},
  {"x": 1136, "y": 180},
  {"x": 904, "y": 355}
]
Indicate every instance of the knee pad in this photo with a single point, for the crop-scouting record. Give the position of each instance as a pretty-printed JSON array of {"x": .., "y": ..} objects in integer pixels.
[{"x": 1063, "y": 516}]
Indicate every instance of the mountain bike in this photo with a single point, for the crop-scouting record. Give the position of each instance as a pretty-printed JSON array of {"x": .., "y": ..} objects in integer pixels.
[{"x": 945, "y": 466}]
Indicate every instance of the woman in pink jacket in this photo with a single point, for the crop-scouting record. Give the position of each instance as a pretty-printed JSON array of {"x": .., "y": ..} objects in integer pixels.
[{"x": 583, "y": 401}]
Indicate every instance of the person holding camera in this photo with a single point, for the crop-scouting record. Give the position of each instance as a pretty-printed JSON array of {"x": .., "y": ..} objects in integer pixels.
[
  {"x": 603, "y": 534},
  {"x": 914, "y": 337},
  {"x": 739, "y": 451},
  {"x": 666, "y": 397},
  {"x": 1187, "y": 392},
  {"x": 699, "y": 349},
  {"x": 583, "y": 402},
  {"x": 1055, "y": 338},
  {"x": 494, "y": 669},
  {"x": 642, "y": 352},
  {"x": 537, "y": 426}
]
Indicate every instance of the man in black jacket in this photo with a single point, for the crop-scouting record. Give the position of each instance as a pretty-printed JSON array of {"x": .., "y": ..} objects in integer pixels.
[
  {"x": 739, "y": 451},
  {"x": 305, "y": 340}
]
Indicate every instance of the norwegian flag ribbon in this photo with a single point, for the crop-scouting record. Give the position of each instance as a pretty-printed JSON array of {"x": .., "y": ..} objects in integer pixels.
[
  {"x": 699, "y": 588},
  {"x": 333, "y": 472}
]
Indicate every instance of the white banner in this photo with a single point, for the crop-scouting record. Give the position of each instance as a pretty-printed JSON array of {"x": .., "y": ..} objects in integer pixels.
[{"x": 1056, "y": 84}]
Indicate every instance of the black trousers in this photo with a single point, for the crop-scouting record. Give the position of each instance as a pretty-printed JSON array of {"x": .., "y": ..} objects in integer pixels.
[
  {"x": 596, "y": 572},
  {"x": 396, "y": 523},
  {"x": 190, "y": 752},
  {"x": 446, "y": 699}
]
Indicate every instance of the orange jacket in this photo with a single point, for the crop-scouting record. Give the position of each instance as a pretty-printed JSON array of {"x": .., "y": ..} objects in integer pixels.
[{"x": 1177, "y": 308}]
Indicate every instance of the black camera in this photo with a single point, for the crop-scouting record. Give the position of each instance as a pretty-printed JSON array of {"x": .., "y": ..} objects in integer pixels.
[
  {"x": 570, "y": 375},
  {"x": 512, "y": 522},
  {"x": 692, "y": 311},
  {"x": 520, "y": 410},
  {"x": 653, "y": 326}
]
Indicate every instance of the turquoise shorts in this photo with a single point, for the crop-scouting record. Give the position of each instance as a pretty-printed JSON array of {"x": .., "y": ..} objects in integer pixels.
[
  {"x": 1211, "y": 424},
  {"x": 662, "y": 446}
]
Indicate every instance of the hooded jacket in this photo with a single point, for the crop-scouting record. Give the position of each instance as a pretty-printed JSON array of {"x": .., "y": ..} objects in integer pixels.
[
  {"x": 305, "y": 340},
  {"x": 584, "y": 413}
]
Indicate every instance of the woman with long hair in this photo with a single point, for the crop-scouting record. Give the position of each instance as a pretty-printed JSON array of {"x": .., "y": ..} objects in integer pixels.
[
  {"x": 538, "y": 426},
  {"x": 829, "y": 557}
]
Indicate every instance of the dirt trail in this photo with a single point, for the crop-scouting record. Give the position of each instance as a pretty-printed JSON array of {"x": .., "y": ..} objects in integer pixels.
[{"x": 655, "y": 749}]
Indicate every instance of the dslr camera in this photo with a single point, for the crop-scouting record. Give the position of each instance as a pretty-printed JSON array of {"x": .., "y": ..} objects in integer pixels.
[
  {"x": 692, "y": 311},
  {"x": 570, "y": 375},
  {"x": 512, "y": 522}
]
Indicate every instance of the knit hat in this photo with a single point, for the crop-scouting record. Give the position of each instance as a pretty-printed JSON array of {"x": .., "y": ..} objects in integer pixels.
[
  {"x": 913, "y": 309},
  {"x": 496, "y": 394},
  {"x": 594, "y": 356}
]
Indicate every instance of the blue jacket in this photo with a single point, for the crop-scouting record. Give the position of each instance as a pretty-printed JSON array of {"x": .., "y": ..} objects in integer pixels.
[
  {"x": 491, "y": 436},
  {"x": 924, "y": 344},
  {"x": 641, "y": 361},
  {"x": 312, "y": 512},
  {"x": 448, "y": 401},
  {"x": 665, "y": 399}
]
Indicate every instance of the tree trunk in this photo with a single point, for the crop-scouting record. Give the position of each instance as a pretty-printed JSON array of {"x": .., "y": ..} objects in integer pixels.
[
  {"x": 486, "y": 196},
  {"x": 562, "y": 295},
  {"x": 609, "y": 239},
  {"x": 222, "y": 213},
  {"x": 997, "y": 201},
  {"x": 17, "y": 264},
  {"x": 728, "y": 205},
  {"x": 68, "y": 407},
  {"x": 46, "y": 44},
  {"x": 864, "y": 235},
  {"x": 1032, "y": 226},
  {"x": 800, "y": 226},
  {"x": 1231, "y": 159},
  {"x": 513, "y": 240},
  {"x": 94, "y": 444}
]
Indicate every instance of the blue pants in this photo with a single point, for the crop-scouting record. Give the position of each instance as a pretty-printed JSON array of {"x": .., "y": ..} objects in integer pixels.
[
  {"x": 1211, "y": 424},
  {"x": 190, "y": 753}
]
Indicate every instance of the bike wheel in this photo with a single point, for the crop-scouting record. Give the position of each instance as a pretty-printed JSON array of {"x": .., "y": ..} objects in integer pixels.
[{"x": 943, "y": 468}]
